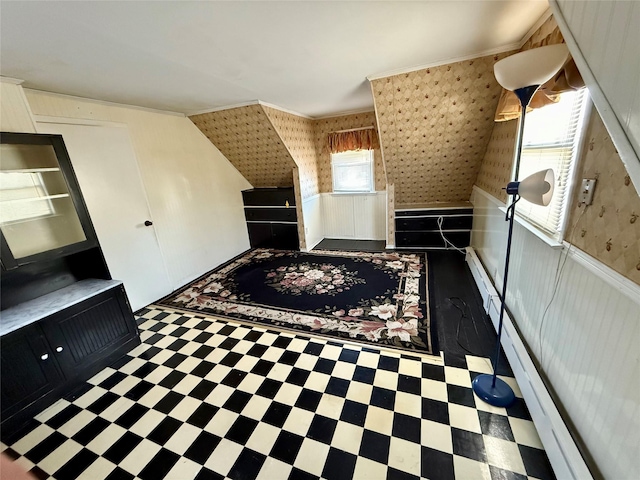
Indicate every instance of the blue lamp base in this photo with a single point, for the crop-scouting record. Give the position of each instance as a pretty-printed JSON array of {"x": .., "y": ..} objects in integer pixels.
[{"x": 500, "y": 395}]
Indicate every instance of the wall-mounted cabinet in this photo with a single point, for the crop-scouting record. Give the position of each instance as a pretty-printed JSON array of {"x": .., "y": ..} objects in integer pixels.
[{"x": 42, "y": 213}]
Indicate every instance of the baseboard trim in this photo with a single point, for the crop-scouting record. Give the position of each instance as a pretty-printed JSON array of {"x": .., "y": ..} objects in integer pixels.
[{"x": 563, "y": 453}]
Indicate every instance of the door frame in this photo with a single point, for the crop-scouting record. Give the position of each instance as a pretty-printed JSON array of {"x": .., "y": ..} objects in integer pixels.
[{"x": 37, "y": 119}]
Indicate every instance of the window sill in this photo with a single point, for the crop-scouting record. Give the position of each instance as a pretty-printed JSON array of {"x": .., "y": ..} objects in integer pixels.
[
  {"x": 550, "y": 241},
  {"x": 354, "y": 193}
]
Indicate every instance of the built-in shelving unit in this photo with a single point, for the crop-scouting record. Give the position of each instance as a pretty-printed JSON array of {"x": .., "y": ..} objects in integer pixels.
[
  {"x": 422, "y": 226},
  {"x": 271, "y": 217},
  {"x": 63, "y": 317}
]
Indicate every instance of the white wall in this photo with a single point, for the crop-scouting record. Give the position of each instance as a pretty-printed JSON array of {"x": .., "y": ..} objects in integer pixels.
[
  {"x": 193, "y": 190},
  {"x": 14, "y": 111},
  {"x": 312, "y": 211},
  {"x": 587, "y": 345},
  {"x": 603, "y": 37}
]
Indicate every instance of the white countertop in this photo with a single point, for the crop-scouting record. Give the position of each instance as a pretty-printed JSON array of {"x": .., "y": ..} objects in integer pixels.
[{"x": 31, "y": 311}]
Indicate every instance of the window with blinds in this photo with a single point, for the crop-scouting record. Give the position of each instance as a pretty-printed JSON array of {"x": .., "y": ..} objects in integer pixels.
[
  {"x": 352, "y": 171},
  {"x": 551, "y": 138}
]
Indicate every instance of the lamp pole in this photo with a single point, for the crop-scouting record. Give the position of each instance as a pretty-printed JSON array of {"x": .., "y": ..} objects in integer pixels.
[
  {"x": 524, "y": 95},
  {"x": 490, "y": 388}
]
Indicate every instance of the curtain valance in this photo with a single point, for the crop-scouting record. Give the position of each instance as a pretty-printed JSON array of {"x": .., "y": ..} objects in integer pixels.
[
  {"x": 568, "y": 78},
  {"x": 358, "y": 139}
]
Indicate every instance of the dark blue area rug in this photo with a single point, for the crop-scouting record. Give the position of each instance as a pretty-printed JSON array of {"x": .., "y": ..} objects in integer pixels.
[{"x": 378, "y": 298}]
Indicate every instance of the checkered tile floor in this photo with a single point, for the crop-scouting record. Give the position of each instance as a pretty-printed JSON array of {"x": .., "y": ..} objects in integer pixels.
[{"x": 212, "y": 399}]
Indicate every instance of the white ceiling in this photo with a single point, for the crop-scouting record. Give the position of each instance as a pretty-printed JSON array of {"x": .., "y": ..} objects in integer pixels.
[{"x": 311, "y": 57}]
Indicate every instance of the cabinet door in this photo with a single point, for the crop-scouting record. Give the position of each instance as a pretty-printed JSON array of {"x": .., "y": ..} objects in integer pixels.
[
  {"x": 259, "y": 235},
  {"x": 28, "y": 369},
  {"x": 87, "y": 333},
  {"x": 42, "y": 212},
  {"x": 285, "y": 236}
]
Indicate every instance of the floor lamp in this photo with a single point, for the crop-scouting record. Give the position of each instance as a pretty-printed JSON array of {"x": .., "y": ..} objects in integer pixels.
[{"x": 522, "y": 73}]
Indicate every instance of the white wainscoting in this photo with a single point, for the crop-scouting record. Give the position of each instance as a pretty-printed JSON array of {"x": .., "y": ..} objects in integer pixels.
[
  {"x": 587, "y": 343},
  {"x": 312, "y": 213},
  {"x": 358, "y": 216},
  {"x": 603, "y": 37}
]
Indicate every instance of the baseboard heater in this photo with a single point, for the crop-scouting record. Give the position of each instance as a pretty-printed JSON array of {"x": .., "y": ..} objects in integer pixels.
[{"x": 563, "y": 453}]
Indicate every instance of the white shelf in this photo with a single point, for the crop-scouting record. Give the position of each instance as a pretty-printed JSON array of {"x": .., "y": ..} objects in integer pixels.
[
  {"x": 31, "y": 170},
  {"x": 35, "y": 199}
]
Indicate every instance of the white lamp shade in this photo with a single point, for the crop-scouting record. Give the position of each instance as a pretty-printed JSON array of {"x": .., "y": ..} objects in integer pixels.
[
  {"x": 538, "y": 188},
  {"x": 531, "y": 67}
]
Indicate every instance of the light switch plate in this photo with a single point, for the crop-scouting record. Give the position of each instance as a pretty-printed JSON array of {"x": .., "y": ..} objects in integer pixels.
[{"x": 586, "y": 191}]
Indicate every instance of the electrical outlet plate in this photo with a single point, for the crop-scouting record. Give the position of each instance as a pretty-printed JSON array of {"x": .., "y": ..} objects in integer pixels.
[{"x": 586, "y": 191}]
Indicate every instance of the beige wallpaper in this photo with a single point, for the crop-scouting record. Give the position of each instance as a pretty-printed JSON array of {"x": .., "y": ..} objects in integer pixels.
[
  {"x": 538, "y": 38},
  {"x": 246, "y": 137},
  {"x": 495, "y": 170},
  {"x": 297, "y": 135},
  {"x": 324, "y": 126},
  {"x": 435, "y": 125},
  {"x": 608, "y": 230}
]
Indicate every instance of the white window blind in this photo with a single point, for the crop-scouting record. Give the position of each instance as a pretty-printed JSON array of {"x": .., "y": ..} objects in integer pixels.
[
  {"x": 551, "y": 138},
  {"x": 352, "y": 171},
  {"x": 23, "y": 196}
]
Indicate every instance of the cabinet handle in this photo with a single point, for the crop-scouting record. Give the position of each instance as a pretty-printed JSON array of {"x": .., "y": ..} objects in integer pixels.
[
  {"x": 59, "y": 349},
  {"x": 44, "y": 356},
  {"x": 148, "y": 223}
]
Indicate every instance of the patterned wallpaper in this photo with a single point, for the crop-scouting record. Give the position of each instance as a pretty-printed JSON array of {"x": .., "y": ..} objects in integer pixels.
[
  {"x": 547, "y": 29},
  {"x": 298, "y": 137},
  {"x": 246, "y": 137},
  {"x": 495, "y": 170},
  {"x": 322, "y": 129},
  {"x": 434, "y": 126},
  {"x": 609, "y": 229}
]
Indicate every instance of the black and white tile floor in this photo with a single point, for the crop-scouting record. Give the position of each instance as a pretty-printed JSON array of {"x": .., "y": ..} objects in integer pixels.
[{"x": 212, "y": 399}]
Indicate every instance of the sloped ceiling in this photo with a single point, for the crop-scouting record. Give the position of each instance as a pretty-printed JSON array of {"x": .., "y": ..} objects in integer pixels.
[
  {"x": 297, "y": 135},
  {"x": 311, "y": 57},
  {"x": 247, "y": 138},
  {"x": 434, "y": 127}
]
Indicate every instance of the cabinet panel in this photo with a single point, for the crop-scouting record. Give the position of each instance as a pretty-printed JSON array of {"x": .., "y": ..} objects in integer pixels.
[
  {"x": 277, "y": 197},
  {"x": 431, "y": 239},
  {"x": 259, "y": 235},
  {"x": 270, "y": 214},
  {"x": 284, "y": 236},
  {"x": 83, "y": 335},
  {"x": 431, "y": 223},
  {"x": 26, "y": 376},
  {"x": 434, "y": 211}
]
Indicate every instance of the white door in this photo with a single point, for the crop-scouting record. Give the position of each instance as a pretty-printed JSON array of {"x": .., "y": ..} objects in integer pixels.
[{"x": 105, "y": 163}]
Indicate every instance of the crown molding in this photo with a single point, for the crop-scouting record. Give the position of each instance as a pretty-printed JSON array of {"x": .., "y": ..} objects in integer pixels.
[
  {"x": 543, "y": 18},
  {"x": 13, "y": 81},
  {"x": 344, "y": 114},
  {"x": 246, "y": 104},
  {"x": 107, "y": 103},
  {"x": 224, "y": 107},
  {"x": 446, "y": 61}
]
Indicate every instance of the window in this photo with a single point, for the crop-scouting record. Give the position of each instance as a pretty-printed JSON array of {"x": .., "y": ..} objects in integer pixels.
[
  {"x": 352, "y": 171},
  {"x": 551, "y": 138}
]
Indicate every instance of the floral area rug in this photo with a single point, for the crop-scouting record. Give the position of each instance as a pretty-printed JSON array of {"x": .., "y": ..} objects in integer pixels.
[{"x": 378, "y": 298}]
